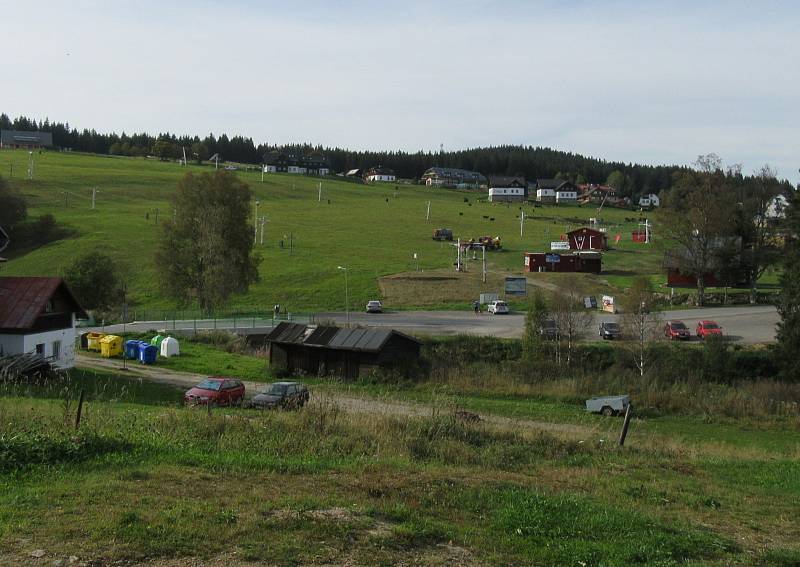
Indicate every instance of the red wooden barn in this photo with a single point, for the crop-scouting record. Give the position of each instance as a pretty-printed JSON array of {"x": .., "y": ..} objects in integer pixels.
[
  {"x": 587, "y": 239},
  {"x": 590, "y": 262}
]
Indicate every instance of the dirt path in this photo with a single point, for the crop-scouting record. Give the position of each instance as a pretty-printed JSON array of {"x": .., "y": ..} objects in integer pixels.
[{"x": 354, "y": 404}]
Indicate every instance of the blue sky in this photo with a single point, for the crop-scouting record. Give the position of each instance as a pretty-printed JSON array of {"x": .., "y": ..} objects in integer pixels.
[{"x": 651, "y": 82}]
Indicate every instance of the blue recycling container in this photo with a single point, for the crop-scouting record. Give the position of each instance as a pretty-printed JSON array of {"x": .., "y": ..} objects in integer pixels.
[
  {"x": 147, "y": 353},
  {"x": 132, "y": 349}
]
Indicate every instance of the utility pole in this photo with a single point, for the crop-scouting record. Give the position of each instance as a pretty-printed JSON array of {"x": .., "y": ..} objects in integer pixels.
[
  {"x": 346, "y": 295},
  {"x": 262, "y": 173},
  {"x": 320, "y": 192},
  {"x": 30, "y": 165},
  {"x": 428, "y": 214},
  {"x": 521, "y": 221},
  {"x": 458, "y": 255},
  {"x": 484, "y": 263},
  {"x": 95, "y": 191},
  {"x": 263, "y": 220},
  {"x": 255, "y": 223}
]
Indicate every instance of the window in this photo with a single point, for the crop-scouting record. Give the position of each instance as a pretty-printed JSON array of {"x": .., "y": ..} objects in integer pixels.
[
  {"x": 40, "y": 349},
  {"x": 48, "y": 307},
  {"x": 56, "y": 349}
]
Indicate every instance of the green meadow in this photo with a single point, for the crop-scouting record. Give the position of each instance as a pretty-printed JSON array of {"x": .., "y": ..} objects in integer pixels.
[{"x": 373, "y": 230}]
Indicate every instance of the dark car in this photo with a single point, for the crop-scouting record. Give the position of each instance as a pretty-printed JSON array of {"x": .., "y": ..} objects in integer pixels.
[
  {"x": 285, "y": 395},
  {"x": 609, "y": 330},
  {"x": 217, "y": 391},
  {"x": 677, "y": 330},
  {"x": 549, "y": 329}
]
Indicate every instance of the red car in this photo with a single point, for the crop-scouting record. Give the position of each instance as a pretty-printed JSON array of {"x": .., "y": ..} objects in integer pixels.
[
  {"x": 677, "y": 330},
  {"x": 216, "y": 390},
  {"x": 707, "y": 329}
]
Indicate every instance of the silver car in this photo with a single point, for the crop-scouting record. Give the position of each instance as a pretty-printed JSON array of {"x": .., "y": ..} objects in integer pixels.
[{"x": 374, "y": 306}]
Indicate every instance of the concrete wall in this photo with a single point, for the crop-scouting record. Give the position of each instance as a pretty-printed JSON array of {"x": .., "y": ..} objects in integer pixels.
[{"x": 20, "y": 344}]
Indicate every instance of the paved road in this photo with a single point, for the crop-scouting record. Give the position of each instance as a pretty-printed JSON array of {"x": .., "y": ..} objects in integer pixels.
[{"x": 746, "y": 324}]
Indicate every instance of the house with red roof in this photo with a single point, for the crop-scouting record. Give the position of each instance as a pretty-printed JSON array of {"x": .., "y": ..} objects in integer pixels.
[{"x": 38, "y": 315}]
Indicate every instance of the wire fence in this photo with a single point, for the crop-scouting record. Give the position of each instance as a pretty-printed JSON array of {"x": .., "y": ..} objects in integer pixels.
[{"x": 226, "y": 319}]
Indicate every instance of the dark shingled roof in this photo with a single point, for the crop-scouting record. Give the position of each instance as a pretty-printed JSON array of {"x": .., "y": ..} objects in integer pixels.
[
  {"x": 23, "y": 300},
  {"x": 17, "y": 138},
  {"x": 369, "y": 340}
]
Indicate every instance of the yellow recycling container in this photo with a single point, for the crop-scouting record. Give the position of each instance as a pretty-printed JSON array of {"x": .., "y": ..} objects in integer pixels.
[
  {"x": 110, "y": 345},
  {"x": 93, "y": 341}
]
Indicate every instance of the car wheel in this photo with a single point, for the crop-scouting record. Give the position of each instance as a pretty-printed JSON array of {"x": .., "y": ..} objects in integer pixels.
[{"x": 607, "y": 411}]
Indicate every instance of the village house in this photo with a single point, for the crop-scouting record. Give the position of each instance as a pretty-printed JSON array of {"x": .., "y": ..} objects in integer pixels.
[
  {"x": 555, "y": 191},
  {"x": 37, "y": 315},
  {"x": 650, "y": 200},
  {"x": 453, "y": 178},
  {"x": 12, "y": 139},
  {"x": 507, "y": 189},
  {"x": 587, "y": 239},
  {"x": 381, "y": 174},
  {"x": 283, "y": 162}
]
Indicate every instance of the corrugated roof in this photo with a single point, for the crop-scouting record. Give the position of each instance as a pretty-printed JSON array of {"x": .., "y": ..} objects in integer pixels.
[
  {"x": 369, "y": 340},
  {"x": 16, "y": 137},
  {"x": 23, "y": 299},
  {"x": 287, "y": 333}
]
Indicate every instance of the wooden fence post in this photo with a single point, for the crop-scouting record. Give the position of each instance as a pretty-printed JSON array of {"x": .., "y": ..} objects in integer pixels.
[
  {"x": 625, "y": 424},
  {"x": 80, "y": 409}
]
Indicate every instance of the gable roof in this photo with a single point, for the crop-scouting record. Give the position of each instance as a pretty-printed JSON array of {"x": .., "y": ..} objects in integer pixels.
[
  {"x": 23, "y": 300},
  {"x": 366, "y": 340},
  {"x": 556, "y": 184},
  {"x": 507, "y": 181}
]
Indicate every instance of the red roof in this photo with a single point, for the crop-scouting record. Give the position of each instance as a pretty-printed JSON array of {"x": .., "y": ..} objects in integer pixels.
[{"x": 23, "y": 300}]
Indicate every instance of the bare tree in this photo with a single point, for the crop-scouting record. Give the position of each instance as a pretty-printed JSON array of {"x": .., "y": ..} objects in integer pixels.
[
  {"x": 697, "y": 218},
  {"x": 570, "y": 315},
  {"x": 641, "y": 321}
]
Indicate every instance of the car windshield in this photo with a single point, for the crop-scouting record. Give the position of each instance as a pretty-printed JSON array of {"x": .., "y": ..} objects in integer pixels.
[
  {"x": 678, "y": 326},
  {"x": 501, "y": 303},
  {"x": 611, "y": 326},
  {"x": 549, "y": 325},
  {"x": 711, "y": 326},
  {"x": 275, "y": 390},
  {"x": 209, "y": 385}
]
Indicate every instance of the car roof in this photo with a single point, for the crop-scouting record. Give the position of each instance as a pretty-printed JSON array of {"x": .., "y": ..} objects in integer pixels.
[
  {"x": 708, "y": 322},
  {"x": 284, "y": 383}
]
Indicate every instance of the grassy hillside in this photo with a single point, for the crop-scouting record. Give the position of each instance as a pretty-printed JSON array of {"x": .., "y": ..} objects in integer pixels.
[
  {"x": 373, "y": 230},
  {"x": 147, "y": 479}
]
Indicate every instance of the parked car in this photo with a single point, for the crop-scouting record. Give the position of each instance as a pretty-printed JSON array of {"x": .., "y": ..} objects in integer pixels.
[
  {"x": 608, "y": 405},
  {"x": 498, "y": 307},
  {"x": 374, "y": 306},
  {"x": 707, "y": 329},
  {"x": 549, "y": 329},
  {"x": 217, "y": 391},
  {"x": 609, "y": 330},
  {"x": 284, "y": 395},
  {"x": 677, "y": 330}
]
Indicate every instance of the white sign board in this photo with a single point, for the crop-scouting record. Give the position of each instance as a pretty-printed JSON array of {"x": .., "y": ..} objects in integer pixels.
[
  {"x": 608, "y": 304},
  {"x": 516, "y": 286},
  {"x": 559, "y": 245}
]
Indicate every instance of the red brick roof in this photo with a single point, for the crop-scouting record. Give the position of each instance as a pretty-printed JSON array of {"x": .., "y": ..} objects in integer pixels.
[{"x": 23, "y": 300}]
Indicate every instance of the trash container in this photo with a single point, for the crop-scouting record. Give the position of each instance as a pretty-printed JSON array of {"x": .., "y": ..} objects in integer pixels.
[
  {"x": 93, "y": 341},
  {"x": 110, "y": 345},
  {"x": 170, "y": 347},
  {"x": 132, "y": 349},
  {"x": 147, "y": 353},
  {"x": 156, "y": 341}
]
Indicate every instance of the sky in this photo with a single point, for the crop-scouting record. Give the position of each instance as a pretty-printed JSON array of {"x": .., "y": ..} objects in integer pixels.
[{"x": 632, "y": 81}]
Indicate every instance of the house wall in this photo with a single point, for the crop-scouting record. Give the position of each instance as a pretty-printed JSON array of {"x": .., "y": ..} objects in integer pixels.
[
  {"x": 380, "y": 177},
  {"x": 566, "y": 197},
  {"x": 20, "y": 344},
  {"x": 545, "y": 195}
]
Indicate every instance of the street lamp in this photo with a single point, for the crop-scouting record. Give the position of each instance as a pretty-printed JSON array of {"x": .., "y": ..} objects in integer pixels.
[
  {"x": 255, "y": 223},
  {"x": 346, "y": 296}
]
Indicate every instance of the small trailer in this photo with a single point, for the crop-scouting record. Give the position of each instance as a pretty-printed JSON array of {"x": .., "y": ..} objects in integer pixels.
[{"x": 608, "y": 405}]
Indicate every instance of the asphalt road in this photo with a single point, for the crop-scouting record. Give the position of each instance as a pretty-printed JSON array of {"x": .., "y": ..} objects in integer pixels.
[{"x": 745, "y": 324}]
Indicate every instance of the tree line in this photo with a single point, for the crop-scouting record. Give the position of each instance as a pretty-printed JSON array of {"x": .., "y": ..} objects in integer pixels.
[{"x": 530, "y": 161}]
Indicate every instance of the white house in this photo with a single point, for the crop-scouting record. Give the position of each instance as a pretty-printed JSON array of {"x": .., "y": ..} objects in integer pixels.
[
  {"x": 507, "y": 189},
  {"x": 651, "y": 200},
  {"x": 776, "y": 209},
  {"x": 546, "y": 195},
  {"x": 379, "y": 173},
  {"x": 566, "y": 196},
  {"x": 37, "y": 315}
]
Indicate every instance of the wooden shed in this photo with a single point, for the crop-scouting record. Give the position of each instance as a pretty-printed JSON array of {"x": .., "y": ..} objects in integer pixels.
[
  {"x": 334, "y": 351},
  {"x": 587, "y": 239},
  {"x": 589, "y": 262}
]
